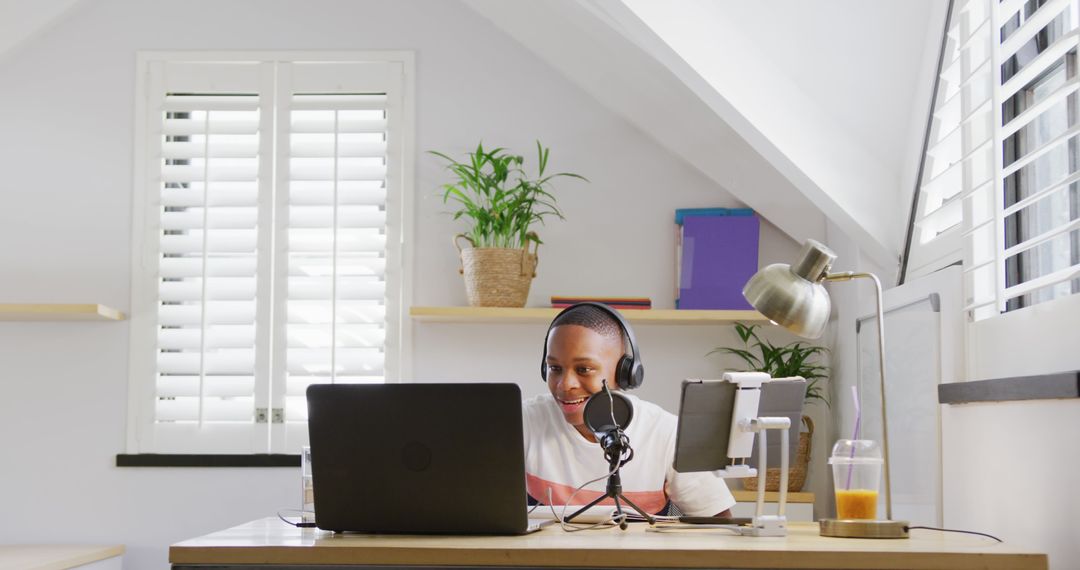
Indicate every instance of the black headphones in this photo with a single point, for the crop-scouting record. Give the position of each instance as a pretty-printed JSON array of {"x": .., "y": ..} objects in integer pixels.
[{"x": 629, "y": 373}]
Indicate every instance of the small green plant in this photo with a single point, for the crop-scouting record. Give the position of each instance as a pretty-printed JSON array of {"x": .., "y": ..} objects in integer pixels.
[
  {"x": 794, "y": 359},
  {"x": 502, "y": 201}
]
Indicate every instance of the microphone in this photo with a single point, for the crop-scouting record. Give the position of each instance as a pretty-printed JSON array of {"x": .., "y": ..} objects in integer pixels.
[{"x": 607, "y": 414}]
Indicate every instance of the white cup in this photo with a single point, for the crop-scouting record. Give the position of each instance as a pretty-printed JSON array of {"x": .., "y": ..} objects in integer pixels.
[{"x": 856, "y": 467}]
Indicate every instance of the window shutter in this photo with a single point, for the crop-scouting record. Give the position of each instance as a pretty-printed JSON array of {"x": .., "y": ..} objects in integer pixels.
[
  {"x": 1038, "y": 220},
  {"x": 958, "y": 166},
  {"x": 211, "y": 124},
  {"x": 269, "y": 222},
  {"x": 333, "y": 219}
]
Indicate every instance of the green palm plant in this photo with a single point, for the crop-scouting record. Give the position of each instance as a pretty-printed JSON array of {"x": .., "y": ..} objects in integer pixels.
[
  {"x": 793, "y": 359},
  {"x": 494, "y": 192}
]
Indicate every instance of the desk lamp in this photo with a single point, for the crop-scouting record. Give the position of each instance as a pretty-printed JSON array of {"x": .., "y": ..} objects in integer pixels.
[{"x": 793, "y": 297}]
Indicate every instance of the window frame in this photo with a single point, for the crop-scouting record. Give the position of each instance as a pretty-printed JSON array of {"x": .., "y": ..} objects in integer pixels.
[{"x": 145, "y": 246}]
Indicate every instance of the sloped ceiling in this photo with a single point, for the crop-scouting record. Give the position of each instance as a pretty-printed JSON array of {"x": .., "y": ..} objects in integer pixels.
[
  {"x": 22, "y": 19},
  {"x": 805, "y": 111}
]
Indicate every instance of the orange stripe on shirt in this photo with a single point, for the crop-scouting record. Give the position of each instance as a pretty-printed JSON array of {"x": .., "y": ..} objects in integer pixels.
[{"x": 649, "y": 501}]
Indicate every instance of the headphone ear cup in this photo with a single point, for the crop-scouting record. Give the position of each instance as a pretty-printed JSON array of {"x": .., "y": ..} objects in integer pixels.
[
  {"x": 543, "y": 372},
  {"x": 637, "y": 374},
  {"x": 624, "y": 373}
]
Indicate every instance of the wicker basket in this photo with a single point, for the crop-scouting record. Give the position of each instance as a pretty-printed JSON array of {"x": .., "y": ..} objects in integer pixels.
[
  {"x": 796, "y": 471},
  {"x": 496, "y": 276}
]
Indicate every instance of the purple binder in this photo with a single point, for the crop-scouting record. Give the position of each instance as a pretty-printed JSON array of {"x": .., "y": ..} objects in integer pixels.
[{"x": 719, "y": 255}]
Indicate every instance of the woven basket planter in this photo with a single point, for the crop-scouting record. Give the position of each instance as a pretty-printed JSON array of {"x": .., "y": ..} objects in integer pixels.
[
  {"x": 796, "y": 470},
  {"x": 496, "y": 276}
]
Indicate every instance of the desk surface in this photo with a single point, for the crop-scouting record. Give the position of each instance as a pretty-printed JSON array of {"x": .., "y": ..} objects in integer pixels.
[
  {"x": 52, "y": 556},
  {"x": 270, "y": 541}
]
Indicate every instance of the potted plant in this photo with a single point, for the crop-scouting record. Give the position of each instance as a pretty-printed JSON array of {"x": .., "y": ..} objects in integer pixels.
[
  {"x": 794, "y": 359},
  {"x": 502, "y": 203}
]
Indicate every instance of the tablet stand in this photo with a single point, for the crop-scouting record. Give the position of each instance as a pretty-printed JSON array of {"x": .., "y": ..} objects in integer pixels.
[{"x": 744, "y": 424}]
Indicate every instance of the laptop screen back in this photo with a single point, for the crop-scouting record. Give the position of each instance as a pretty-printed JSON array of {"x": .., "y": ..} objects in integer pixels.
[{"x": 418, "y": 458}]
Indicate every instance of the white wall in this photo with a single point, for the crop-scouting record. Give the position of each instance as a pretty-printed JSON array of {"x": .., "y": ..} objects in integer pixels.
[
  {"x": 1010, "y": 470},
  {"x": 1010, "y": 467},
  {"x": 66, "y": 150}
]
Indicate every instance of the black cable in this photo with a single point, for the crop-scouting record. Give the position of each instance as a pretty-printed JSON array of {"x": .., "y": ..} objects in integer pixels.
[
  {"x": 296, "y": 524},
  {"x": 954, "y": 530}
]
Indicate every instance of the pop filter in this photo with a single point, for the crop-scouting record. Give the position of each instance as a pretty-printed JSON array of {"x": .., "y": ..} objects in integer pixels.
[{"x": 602, "y": 406}]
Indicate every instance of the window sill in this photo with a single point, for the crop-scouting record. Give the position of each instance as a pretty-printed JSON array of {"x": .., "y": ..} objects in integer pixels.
[
  {"x": 207, "y": 460},
  {"x": 1045, "y": 387}
]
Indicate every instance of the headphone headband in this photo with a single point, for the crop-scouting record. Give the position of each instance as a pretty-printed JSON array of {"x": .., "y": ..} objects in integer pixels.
[{"x": 629, "y": 372}]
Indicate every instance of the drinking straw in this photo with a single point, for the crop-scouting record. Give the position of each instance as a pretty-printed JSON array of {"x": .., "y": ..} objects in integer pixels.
[{"x": 855, "y": 432}]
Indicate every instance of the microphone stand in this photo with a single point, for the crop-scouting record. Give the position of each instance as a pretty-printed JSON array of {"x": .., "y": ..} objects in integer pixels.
[{"x": 615, "y": 443}]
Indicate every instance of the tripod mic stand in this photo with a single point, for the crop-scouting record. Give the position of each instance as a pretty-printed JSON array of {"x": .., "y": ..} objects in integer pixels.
[{"x": 615, "y": 444}]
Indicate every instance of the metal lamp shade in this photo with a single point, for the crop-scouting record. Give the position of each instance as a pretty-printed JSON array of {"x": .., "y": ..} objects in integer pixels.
[{"x": 792, "y": 296}]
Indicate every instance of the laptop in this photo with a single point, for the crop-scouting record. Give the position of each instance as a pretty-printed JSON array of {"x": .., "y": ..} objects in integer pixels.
[{"x": 418, "y": 458}]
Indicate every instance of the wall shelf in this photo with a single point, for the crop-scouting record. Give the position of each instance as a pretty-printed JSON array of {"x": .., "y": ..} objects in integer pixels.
[
  {"x": 544, "y": 315},
  {"x": 744, "y": 496},
  {"x": 59, "y": 312}
]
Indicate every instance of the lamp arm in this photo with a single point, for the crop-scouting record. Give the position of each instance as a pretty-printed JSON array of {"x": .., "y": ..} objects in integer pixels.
[{"x": 848, "y": 276}]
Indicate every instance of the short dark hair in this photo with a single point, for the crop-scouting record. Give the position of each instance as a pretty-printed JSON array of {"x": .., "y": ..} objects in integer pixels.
[{"x": 594, "y": 319}]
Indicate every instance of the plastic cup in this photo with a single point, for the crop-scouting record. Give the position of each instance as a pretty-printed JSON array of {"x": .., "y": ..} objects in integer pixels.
[
  {"x": 856, "y": 465},
  {"x": 307, "y": 486}
]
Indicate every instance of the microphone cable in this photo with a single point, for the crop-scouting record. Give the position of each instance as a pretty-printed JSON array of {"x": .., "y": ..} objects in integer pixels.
[{"x": 296, "y": 524}]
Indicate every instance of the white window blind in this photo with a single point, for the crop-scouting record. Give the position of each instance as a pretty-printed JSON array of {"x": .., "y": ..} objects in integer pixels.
[
  {"x": 333, "y": 214},
  {"x": 1039, "y": 216},
  {"x": 270, "y": 247},
  {"x": 957, "y": 171}
]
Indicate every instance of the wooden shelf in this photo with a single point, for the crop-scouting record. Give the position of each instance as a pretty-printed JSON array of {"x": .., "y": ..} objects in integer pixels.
[
  {"x": 744, "y": 496},
  {"x": 544, "y": 315},
  {"x": 54, "y": 312}
]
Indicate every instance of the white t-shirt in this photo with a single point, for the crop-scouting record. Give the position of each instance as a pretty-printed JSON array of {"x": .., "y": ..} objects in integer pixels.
[{"x": 558, "y": 458}]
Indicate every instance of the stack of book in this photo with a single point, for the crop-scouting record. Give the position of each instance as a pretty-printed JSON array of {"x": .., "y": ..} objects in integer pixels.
[{"x": 620, "y": 303}]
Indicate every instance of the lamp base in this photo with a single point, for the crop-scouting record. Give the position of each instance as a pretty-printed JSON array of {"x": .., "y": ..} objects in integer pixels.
[{"x": 853, "y": 528}]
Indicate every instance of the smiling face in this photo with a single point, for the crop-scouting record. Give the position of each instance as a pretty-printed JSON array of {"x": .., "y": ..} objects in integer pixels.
[{"x": 579, "y": 359}]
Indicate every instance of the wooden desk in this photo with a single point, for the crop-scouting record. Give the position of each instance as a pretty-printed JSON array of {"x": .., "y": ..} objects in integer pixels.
[{"x": 267, "y": 543}]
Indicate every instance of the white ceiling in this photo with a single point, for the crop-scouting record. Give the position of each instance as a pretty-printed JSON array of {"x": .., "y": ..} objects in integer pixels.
[
  {"x": 22, "y": 19},
  {"x": 860, "y": 61}
]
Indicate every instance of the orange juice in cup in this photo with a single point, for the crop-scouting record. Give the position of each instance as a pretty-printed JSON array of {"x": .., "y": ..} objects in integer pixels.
[
  {"x": 856, "y": 467},
  {"x": 856, "y": 504}
]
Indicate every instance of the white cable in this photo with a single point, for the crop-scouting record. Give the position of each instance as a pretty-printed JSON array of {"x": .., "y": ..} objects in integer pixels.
[
  {"x": 665, "y": 518},
  {"x": 574, "y": 527},
  {"x": 675, "y": 528},
  {"x": 611, "y": 406}
]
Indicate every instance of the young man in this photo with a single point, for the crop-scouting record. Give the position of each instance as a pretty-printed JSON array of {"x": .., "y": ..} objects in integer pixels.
[{"x": 583, "y": 348}]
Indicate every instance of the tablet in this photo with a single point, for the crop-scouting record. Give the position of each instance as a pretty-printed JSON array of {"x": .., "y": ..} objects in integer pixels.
[
  {"x": 705, "y": 410},
  {"x": 701, "y": 439}
]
